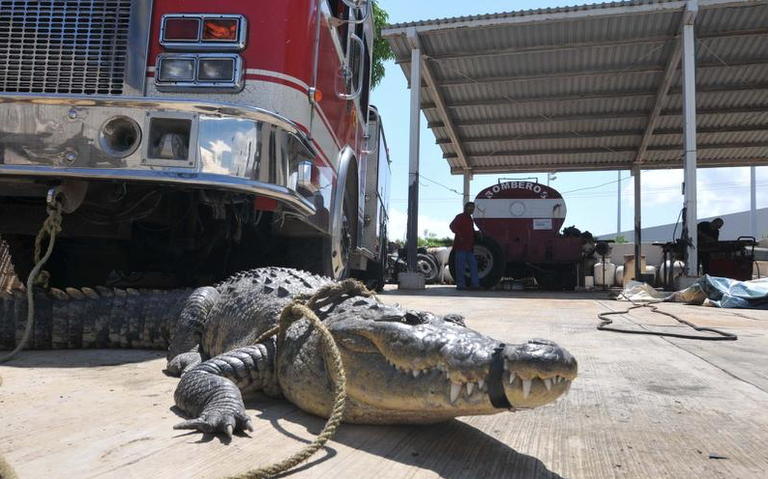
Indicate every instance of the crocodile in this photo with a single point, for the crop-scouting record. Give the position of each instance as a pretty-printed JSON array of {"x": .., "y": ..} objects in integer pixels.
[{"x": 402, "y": 366}]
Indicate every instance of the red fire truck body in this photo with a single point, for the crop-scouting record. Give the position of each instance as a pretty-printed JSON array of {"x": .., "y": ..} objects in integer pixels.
[{"x": 189, "y": 140}]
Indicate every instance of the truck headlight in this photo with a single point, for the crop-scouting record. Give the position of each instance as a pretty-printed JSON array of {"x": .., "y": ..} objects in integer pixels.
[
  {"x": 209, "y": 72},
  {"x": 171, "y": 69},
  {"x": 216, "y": 69}
]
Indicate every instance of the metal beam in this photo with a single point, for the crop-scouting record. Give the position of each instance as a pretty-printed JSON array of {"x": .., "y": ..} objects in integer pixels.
[
  {"x": 549, "y": 76},
  {"x": 440, "y": 105},
  {"x": 467, "y": 181},
  {"x": 566, "y": 135},
  {"x": 554, "y": 15},
  {"x": 596, "y": 150},
  {"x": 593, "y": 96},
  {"x": 579, "y": 46},
  {"x": 753, "y": 200},
  {"x": 638, "y": 223},
  {"x": 413, "y": 170},
  {"x": 597, "y": 116},
  {"x": 661, "y": 95},
  {"x": 607, "y": 165},
  {"x": 618, "y": 205},
  {"x": 689, "y": 135}
]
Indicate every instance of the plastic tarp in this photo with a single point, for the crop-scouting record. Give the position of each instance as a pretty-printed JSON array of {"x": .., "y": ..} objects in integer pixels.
[
  {"x": 730, "y": 293},
  {"x": 708, "y": 290}
]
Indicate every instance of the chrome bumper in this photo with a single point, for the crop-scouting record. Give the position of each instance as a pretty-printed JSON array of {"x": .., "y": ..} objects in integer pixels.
[{"x": 231, "y": 147}]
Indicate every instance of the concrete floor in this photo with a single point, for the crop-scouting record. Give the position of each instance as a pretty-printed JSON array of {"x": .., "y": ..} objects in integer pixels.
[{"x": 642, "y": 407}]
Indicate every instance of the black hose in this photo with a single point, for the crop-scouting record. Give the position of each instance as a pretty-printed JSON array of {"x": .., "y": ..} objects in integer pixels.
[{"x": 605, "y": 321}]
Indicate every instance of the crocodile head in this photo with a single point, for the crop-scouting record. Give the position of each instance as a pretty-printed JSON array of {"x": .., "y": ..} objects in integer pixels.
[{"x": 406, "y": 366}]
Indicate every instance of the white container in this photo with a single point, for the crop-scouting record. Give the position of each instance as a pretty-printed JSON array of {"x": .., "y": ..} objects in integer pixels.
[
  {"x": 652, "y": 271},
  {"x": 589, "y": 281},
  {"x": 610, "y": 273},
  {"x": 620, "y": 275},
  {"x": 677, "y": 269}
]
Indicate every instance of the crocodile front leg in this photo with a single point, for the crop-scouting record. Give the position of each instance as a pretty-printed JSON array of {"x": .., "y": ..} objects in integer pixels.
[
  {"x": 210, "y": 392},
  {"x": 183, "y": 351}
]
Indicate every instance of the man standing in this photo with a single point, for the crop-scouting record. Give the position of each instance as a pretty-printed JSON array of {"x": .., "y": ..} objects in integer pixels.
[
  {"x": 707, "y": 233},
  {"x": 463, "y": 226}
]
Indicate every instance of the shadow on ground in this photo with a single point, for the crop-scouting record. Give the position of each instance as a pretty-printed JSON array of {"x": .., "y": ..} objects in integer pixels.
[
  {"x": 80, "y": 358},
  {"x": 452, "y": 449}
]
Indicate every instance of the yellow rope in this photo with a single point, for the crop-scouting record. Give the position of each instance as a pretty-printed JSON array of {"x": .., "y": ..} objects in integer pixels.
[
  {"x": 302, "y": 307},
  {"x": 51, "y": 227}
]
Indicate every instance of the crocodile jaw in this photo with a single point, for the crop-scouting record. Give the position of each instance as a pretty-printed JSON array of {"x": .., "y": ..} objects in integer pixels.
[{"x": 419, "y": 373}]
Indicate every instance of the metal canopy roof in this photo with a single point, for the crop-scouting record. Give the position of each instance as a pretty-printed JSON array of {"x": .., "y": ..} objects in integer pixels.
[{"x": 594, "y": 87}]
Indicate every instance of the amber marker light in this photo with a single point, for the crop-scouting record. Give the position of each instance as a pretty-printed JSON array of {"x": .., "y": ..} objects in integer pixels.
[{"x": 220, "y": 29}]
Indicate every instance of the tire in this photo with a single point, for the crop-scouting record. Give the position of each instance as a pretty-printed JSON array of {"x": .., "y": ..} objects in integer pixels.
[
  {"x": 490, "y": 263},
  {"x": 338, "y": 251},
  {"x": 427, "y": 265}
]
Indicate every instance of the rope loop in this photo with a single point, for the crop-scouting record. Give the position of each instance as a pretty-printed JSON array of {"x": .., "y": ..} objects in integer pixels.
[
  {"x": 304, "y": 306},
  {"x": 51, "y": 227}
]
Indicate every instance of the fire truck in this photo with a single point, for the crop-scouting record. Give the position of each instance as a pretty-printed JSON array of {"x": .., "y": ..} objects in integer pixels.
[{"x": 188, "y": 140}]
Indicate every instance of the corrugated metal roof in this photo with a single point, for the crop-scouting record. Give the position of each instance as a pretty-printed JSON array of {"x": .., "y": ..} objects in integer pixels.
[{"x": 573, "y": 88}]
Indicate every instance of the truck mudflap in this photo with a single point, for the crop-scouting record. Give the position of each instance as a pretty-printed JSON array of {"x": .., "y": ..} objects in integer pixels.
[{"x": 199, "y": 144}]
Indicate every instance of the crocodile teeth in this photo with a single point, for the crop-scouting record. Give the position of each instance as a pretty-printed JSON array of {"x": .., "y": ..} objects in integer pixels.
[
  {"x": 481, "y": 384},
  {"x": 512, "y": 377},
  {"x": 506, "y": 365},
  {"x": 455, "y": 390},
  {"x": 470, "y": 387},
  {"x": 416, "y": 373},
  {"x": 547, "y": 383},
  {"x": 527, "y": 383}
]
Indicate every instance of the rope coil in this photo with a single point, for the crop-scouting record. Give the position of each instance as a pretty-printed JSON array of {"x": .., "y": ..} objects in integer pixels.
[
  {"x": 303, "y": 307},
  {"x": 51, "y": 227}
]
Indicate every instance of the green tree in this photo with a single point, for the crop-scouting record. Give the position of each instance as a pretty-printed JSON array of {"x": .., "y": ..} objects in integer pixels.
[{"x": 381, "y": 49}]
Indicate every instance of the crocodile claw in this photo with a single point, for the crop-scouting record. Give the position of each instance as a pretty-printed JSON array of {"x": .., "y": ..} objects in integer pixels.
[{"x": 214, "y": 422}]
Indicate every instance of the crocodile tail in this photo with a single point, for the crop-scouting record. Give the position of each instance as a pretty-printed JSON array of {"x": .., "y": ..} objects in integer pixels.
[{"x": 92, "y": 318}]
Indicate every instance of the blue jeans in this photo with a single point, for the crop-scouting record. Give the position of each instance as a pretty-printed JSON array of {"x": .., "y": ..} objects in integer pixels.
[{"x": 463, "y": 257}]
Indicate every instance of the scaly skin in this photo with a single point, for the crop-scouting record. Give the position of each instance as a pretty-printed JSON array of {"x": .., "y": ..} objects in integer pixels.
[{"x": 402, "y": 366}]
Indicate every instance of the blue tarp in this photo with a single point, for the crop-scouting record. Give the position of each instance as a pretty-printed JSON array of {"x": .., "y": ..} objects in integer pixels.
[{"x": 730, "y": 293}]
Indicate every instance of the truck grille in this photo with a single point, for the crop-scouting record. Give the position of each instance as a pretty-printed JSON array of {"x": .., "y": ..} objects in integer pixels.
[{"x": 63, "y": 46}]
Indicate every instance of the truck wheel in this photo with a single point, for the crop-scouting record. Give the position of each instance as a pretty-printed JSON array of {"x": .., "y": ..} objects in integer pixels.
[
  {"x": 426, "y": 265},
  {"x": 490, "y": 263},
  {"x": 341, "y": 245}
]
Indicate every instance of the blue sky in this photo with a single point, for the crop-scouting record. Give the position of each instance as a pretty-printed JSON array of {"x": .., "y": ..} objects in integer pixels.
[{"x": 721, "y": 191}]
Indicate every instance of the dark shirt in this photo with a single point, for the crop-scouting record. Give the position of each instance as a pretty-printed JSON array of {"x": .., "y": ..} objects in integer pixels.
[
  {"x": 706, "y": 233},
  {"x": 464, "y": 228}
]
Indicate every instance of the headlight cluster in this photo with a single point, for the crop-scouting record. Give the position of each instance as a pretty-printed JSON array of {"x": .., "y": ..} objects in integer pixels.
[{"x": 201, "y": 64}]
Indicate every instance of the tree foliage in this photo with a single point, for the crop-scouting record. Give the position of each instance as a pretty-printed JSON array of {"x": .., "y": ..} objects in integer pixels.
[{"x": 381, "y": 49}]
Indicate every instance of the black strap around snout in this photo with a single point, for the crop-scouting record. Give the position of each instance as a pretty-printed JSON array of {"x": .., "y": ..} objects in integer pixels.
[{"x": 496, "y": 380}]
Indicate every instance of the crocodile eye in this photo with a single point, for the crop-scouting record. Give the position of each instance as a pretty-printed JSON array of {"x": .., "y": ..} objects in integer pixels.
[{"x": 412, "y": 318}]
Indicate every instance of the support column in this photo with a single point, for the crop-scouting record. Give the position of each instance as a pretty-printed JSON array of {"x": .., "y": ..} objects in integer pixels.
[
  {"x": 413, "y": 169},
  {"x": 638, "y": 223},
  {"x": 618, "y": 206},
  {"x": 467, "y": 180},
  {"x": 753, "y": 200},
  {"x": 689, "y": 134}
]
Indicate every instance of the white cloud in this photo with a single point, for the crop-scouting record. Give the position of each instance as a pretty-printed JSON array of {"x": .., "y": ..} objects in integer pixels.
[
  {"x": 398, "y": 225},
  {"x": 719, "y": 191}
]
